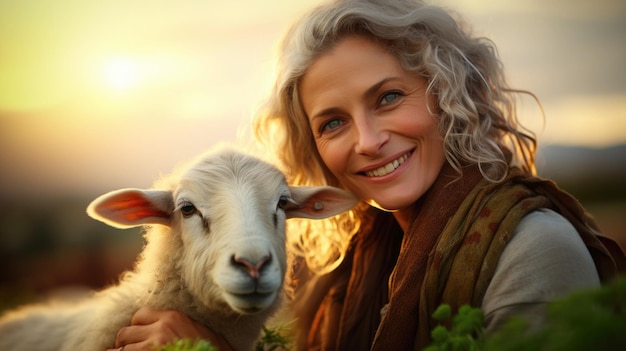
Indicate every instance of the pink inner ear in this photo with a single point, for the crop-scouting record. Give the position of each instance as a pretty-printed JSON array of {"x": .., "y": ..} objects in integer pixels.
[
  {"x": 143, "y": 213},
  {"x": 130, "y": 207},
  {"x": 127, "y": 201}
]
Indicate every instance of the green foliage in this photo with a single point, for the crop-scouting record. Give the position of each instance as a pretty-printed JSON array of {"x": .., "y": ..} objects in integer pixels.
[
  {"x": 188, "y": 345},
  {"x": 587, "y": 320},
  {"x": 465, "y": 334},
  {"x": 274, "y": 339}
]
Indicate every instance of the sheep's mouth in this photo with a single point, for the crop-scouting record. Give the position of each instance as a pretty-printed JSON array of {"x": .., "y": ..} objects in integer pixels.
[
  {"x": 254, "y": 295},
  {"x": 250, "y": 303}
]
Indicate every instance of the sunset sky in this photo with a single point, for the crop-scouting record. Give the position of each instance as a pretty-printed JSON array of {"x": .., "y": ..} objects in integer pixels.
[{"x": 97, "y": 95}]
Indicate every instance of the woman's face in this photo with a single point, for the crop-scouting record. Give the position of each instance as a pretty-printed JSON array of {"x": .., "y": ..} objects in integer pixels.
[{"x": 371, "y": 122}]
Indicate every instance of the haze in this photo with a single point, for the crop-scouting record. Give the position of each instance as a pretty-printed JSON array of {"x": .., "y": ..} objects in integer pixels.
[{"x": 98, "y": 95}]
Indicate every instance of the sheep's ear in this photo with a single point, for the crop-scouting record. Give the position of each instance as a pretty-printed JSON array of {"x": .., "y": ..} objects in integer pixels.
[
  {"x": 318, "y": 202},
  {"x": 127, "y": 208}
]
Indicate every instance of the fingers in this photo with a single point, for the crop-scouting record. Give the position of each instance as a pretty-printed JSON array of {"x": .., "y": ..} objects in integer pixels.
[
  {"x": 146, "y": 337},
  {"x": 135, "y": 347},
  {"x": 123, "y": 348},
  {"x": 147, "y": 315},
  {"x": 131, "y": 335},
  {"x": 151, "y": 328}
]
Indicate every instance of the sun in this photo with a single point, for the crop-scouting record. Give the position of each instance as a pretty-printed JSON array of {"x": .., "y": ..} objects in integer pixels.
[{"x": 122, "y": 73}]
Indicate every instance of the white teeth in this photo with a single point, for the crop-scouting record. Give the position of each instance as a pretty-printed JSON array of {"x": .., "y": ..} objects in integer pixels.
[{"x": 388, "y": 168}]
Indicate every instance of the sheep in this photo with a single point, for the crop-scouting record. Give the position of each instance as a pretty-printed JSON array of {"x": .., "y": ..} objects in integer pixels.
[{"x": 215, "y": 250}]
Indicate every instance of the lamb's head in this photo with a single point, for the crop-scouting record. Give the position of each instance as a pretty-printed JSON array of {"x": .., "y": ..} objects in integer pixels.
[{"x": 229, "y": 210}]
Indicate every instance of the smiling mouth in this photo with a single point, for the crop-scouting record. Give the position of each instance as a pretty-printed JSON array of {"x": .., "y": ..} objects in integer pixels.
[{"x": 389, "y": 167}]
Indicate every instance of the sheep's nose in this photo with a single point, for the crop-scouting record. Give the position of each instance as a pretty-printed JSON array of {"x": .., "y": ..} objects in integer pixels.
[{"x": 253, "y": 269}]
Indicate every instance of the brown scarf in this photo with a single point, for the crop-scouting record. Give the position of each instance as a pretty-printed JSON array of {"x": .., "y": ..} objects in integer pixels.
[
  {"x": 361, "y": 279},
  {"x": 399, "y": 326},
  {"x": 448, "y": 254}
]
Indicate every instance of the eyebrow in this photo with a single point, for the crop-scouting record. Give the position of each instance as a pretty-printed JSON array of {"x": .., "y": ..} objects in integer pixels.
[
  {"x": 326, "y": 112},
  {"x": 374, "y": 88},
  {"x": 369, "y": 92}
]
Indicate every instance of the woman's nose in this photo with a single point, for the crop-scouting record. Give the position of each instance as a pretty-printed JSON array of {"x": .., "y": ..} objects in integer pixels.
[{"x": 370, "y": 138}]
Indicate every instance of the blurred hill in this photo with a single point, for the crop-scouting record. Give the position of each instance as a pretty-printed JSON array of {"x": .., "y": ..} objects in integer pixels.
[{"x": 593, "y": 175}]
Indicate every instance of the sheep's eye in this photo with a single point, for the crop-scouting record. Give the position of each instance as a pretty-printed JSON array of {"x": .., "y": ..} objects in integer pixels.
[
  {"x": 188, "y": 209},
  {"x": 284, "y": 201}
]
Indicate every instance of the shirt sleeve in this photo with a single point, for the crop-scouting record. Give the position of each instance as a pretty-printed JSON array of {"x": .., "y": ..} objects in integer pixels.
[{"x": 546, "y": 259}]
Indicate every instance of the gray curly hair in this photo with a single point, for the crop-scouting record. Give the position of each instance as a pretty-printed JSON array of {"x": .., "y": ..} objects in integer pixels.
[{"x": 476, "y": 109}]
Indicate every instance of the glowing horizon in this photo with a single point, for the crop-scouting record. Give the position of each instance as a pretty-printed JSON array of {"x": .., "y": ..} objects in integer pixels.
[{"x": 87, "y": 88}]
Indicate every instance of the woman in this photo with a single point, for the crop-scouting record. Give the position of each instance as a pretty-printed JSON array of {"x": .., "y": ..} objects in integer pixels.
[{"x": 397, "y": 103}]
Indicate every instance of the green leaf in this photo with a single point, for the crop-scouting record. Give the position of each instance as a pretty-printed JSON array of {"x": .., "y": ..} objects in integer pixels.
[
  {"x": 442, "y": 313},
  {"x": 439, "y": 334},
  {"x": 188, "y": 345}
]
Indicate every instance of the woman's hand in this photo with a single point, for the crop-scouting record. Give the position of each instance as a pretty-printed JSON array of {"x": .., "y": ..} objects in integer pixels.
[{"x": 151, "y": 328}]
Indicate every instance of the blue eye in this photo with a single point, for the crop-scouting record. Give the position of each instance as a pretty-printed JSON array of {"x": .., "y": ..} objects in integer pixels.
[
  {"x": 389, "y": 97},
  {"x": 331, "y": 125}
]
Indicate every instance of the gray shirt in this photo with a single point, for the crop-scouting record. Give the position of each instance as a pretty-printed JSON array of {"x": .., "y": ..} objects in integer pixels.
[{"x": 546, "y": 259}]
